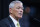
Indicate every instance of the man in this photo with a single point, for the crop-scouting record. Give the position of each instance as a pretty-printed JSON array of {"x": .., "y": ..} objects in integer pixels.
[{"x": 16, "y": 12}]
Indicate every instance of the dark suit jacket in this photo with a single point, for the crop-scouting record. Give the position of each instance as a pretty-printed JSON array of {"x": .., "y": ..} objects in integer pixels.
[{"x": 7, "y": 22}]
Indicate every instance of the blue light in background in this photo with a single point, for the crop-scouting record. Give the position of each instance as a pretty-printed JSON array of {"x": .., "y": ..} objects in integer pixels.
[{"x": 33, "y": 11}]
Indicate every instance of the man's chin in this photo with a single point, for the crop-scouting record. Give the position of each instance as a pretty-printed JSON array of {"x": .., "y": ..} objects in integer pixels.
[{"x": 20, "y": 17}]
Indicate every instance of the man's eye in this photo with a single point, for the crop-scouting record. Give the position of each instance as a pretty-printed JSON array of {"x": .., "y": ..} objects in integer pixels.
[{"x": 18, "y": 8}]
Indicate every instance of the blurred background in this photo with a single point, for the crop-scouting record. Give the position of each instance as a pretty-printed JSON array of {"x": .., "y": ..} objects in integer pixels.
[{"x": 31, "y": 11}]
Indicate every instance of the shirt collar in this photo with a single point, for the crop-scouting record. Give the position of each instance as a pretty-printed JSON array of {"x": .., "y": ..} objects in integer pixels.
[{"x": 14, "y": 20}]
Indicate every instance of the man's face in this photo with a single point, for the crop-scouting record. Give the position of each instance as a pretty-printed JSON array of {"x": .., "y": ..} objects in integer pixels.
[{"x": 17, "y": 10}]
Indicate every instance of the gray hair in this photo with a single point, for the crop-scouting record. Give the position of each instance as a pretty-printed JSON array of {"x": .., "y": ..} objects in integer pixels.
[{"x": 11, "y": 5}]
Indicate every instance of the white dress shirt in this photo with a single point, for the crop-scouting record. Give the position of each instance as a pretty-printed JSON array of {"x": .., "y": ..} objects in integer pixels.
[{"x": 14, "y": 20}]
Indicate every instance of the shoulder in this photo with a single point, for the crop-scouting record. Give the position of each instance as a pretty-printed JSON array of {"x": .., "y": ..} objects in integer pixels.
[
  {"x": 5, "y": 19},
  {"x": 4, "y": 22}
]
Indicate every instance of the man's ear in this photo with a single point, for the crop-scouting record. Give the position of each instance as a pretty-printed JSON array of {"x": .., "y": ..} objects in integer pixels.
[{"x": 10, "y": 10}]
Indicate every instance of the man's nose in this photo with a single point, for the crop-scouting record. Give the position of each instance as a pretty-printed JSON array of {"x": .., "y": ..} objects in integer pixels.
[{"x": 21, "y": 10}]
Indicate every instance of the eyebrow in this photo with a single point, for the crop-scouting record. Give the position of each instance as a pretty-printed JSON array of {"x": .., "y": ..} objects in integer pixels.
[{"x": 20, "y": 7}]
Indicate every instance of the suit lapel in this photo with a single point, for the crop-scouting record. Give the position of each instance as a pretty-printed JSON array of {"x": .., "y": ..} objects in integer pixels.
[{"x": 11, "y": 22}]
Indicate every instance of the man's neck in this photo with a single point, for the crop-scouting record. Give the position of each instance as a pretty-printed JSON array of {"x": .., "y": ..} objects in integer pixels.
[{"x": 14, "y": 17}]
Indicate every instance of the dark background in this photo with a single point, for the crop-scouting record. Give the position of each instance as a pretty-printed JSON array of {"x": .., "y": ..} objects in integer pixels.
[{"x": 4, "y": 7}]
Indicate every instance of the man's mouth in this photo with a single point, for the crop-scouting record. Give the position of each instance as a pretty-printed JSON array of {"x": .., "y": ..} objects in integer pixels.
[{"x": 20, "y": 14}]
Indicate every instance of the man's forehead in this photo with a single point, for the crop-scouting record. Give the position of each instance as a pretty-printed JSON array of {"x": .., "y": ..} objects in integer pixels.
[{"x": 19, "y": 3}]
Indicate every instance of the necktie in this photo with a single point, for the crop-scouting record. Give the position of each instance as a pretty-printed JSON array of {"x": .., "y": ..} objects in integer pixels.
[{"x": 18, "y": 24}]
